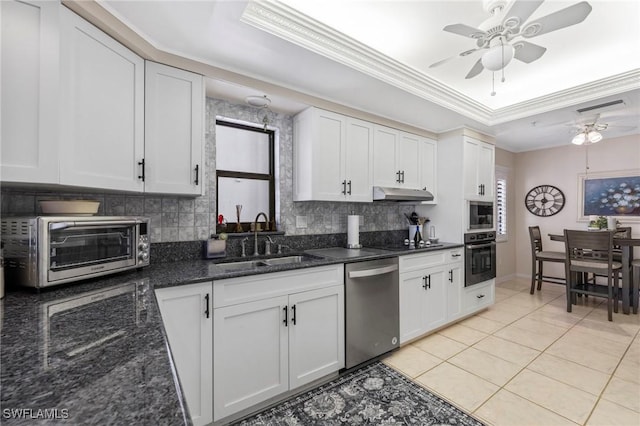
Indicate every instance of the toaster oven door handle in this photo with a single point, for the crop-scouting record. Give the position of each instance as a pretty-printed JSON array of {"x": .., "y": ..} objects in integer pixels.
[{"x": 64, "y": 225}]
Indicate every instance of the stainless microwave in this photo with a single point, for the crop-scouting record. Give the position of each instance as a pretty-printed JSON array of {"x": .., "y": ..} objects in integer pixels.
[
  {"x": 45, "y": 251},
  {"x": 480, "y": 215}
]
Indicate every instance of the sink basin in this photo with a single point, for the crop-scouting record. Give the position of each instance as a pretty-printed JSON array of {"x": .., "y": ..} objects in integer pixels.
[
  {"x": 238, "y": 266},
  {"x": 250, "y": 264},
  {"x": 286, "y": 260}
]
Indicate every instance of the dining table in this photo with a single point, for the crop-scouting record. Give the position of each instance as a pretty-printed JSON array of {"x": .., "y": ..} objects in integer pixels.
[{"x": 629, "y": 299}]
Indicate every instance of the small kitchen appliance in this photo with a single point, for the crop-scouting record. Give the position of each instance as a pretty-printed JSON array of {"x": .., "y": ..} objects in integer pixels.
[{"x": 45, "y": 251}]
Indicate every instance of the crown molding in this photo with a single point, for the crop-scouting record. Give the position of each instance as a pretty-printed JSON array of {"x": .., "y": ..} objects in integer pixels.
[{"x": 287, "y": 23}]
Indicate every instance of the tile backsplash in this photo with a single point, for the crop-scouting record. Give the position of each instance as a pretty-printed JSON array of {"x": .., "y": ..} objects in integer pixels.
[{"x": 176, "y": 218}]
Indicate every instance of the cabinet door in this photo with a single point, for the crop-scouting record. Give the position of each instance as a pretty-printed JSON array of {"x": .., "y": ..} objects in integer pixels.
[
  {"x": 316, "y": 334},
  {"x": 250, "y": 354},
  {"x": 486, "y": 168},
  {"x": 454, "y": 286},
  {"x": 409, "y": 160},
  {"x": 174, "y": 108},
  {"x": 102, "y": 120},
  {"x": 385, "y": 170},
  {"x": 186, "y": 315},
  {"x": 412, "y": 299},
  {"x": 329, "y": 156},
  {"x": 434, "y": 311},
  {"x": 29, "y": 32},
  {"x": 428, "y": 167},
  {"x": 471, "y": 156},
  {"x": 358, "y": 158}
]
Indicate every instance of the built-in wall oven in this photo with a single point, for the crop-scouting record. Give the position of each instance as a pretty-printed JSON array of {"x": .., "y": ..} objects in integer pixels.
[
  {"x": 480, "y": 257},
  {"x": 480, "y": 215}
]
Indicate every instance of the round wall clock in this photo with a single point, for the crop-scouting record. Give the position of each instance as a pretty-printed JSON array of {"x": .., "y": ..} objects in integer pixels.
[{"x": 544, "y": 200}]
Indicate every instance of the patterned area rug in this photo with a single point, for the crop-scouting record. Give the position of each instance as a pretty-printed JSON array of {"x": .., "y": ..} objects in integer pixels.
[{"x": 374, "y": 394}]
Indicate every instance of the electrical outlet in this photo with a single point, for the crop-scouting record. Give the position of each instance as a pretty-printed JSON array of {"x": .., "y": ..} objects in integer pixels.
[{"x": 301, "y": 221}]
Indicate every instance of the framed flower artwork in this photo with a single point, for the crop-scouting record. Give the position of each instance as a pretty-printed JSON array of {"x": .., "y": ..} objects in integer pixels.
[{"x": 610, "y": 194}]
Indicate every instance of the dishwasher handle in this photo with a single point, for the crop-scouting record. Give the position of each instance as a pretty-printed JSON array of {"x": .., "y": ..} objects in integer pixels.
[{"x": 372, "y": 272}]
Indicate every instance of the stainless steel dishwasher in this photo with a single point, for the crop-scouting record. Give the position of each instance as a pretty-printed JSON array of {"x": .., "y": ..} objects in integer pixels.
[{"x": 372, "y": 309}]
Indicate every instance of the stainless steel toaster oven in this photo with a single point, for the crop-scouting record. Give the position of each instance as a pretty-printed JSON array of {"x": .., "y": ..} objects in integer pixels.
[{"x": 45, "y": 251}]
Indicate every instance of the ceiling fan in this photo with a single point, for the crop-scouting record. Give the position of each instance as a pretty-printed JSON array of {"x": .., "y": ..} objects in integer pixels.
[
  {"x": 587, "y": 132},
  {"x": 496, "y": 35}
]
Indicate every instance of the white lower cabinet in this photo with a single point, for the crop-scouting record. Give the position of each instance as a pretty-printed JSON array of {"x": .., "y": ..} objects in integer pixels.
[
  {"x": 187, "y": 316},
  {"x": 478, "y": 297},
  {"x": 430, "y": 291},
  {"x": 265, "y": 346}
]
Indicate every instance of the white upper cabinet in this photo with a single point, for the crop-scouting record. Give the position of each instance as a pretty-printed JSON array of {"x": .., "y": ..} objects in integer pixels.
[
  {"x": 30, "y": 83},
  {"x": 332, "y": 157},
  {"x": 398, "y": 159},
  {"x": 174, "y": 113},
  {"x": 428, "y": 166},
  {"x": 102, "y": 109},
  {"x": 385, "y": 147},
  {"x": 409, "y": 160},
  {"x": 478, "y": 169}
]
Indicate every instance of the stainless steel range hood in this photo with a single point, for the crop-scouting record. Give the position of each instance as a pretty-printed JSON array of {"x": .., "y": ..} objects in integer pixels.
[{"x": 400, "y": 194}]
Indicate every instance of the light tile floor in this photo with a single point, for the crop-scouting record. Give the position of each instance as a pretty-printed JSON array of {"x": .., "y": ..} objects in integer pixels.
[{"x": 526, "y": 361}]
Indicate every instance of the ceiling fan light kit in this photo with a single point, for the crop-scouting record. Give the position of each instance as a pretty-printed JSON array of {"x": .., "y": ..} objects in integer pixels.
[{"x": 587, "y": 136}]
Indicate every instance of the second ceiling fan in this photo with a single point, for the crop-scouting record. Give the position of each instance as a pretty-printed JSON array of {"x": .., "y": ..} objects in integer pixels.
[{"x": 498, "y": 35}]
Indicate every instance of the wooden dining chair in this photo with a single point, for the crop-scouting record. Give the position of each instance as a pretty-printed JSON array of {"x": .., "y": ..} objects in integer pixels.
[
  {"x": 591, "y": 252},
  {"x": 635, "y": 265},
  {"x": 538, "y": 257}
]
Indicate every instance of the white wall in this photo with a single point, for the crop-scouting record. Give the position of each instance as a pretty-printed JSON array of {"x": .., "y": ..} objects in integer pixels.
[{"x": 560, "y": 167}]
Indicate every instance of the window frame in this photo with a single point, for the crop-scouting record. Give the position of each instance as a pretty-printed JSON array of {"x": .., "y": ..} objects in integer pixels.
[
  {"x": 502, "y": 174},
  {"x": 270, "y": 177}
]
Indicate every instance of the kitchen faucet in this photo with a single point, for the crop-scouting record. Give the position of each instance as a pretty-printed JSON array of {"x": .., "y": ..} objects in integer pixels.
[{"x": 255, "y": 232}]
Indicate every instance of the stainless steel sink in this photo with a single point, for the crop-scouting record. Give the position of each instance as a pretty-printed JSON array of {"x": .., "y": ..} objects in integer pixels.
[
  {"x": 250, "y": 264},
  {"x": 287, "y": 260},
  {"x": 238, "y": 266}
]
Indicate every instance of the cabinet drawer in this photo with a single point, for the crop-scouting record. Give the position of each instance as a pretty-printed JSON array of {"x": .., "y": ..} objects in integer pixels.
[
  {"x": 255, "y": 287},
  {"x": 478, "y": 297},
  {"x": 415, "y": 262},
  {"x": 455, "y": 255}
]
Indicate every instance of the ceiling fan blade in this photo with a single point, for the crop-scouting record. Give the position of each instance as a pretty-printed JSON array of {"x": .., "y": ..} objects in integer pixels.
[
  {"x": 465, "y": 53},
  {"x": 520, "y": 11},
  {"x": 476, "y": 69},
  {"x": 528, "y": 52},
  {"x": 465, "y": 30},
  {"x": 563, "y": 18}
]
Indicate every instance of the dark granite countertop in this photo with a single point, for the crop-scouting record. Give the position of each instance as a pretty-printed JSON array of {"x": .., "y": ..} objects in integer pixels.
[{"x": 95, "y": 352}]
